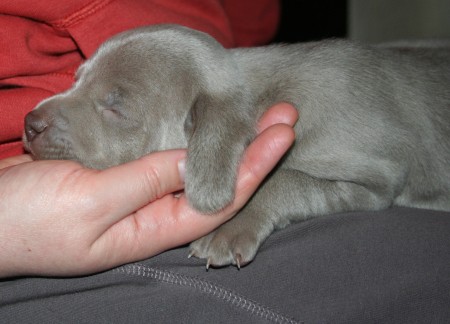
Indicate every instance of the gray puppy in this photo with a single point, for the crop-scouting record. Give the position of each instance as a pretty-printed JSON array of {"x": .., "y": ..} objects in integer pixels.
[{"x": 374, "y": 127}]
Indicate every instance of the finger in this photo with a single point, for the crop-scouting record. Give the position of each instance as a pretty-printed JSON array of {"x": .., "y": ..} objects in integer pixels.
[
  {"x": 123, "y": 189},
  {"x": 170, "y": 221},
  {"x": 282, "y": 113},
  {"x": 15, "y": 160}
]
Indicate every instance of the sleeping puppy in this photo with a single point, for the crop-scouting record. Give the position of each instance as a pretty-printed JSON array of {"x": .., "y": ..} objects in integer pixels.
[{"x": 374, "y": 128}]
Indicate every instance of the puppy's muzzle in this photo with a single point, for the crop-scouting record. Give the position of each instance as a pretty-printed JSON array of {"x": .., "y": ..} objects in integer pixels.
[
  {"x": 36, "y": 123},
  {"x": 45, "y": 133}
]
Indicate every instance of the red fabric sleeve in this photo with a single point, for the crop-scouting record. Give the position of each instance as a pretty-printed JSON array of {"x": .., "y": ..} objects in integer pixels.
[{"x": 43, "y": 42}]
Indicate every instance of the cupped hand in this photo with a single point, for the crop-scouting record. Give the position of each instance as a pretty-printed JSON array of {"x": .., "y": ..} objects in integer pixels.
[{"x": 58, "y": 218}]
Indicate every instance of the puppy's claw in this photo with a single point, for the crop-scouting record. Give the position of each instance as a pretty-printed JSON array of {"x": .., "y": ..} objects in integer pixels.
[
  {"x": 238, "y": 260},
  {"x": 191, "y": 254},
  {"x": 208, "y": 264}
]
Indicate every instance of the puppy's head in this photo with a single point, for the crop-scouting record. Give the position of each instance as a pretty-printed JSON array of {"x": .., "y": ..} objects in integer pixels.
[{"x": 132, "y": 97}]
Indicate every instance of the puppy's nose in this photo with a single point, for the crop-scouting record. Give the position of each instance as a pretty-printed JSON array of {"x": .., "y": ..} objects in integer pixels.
[{"x": 35, "y": 124}]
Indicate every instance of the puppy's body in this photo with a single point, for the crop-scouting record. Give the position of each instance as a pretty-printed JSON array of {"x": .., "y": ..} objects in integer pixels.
[
  {"x": 373, "y": 116},
  {"x": 374, "y": 127}
]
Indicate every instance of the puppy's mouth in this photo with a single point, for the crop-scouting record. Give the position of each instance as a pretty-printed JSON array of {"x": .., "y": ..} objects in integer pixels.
[{"x": 42, "y": 149}]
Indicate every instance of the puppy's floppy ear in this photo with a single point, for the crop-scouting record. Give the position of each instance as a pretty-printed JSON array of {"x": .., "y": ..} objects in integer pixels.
[
  {"x": 190, "y": 121},
  {"x": 218, "y": 128}
]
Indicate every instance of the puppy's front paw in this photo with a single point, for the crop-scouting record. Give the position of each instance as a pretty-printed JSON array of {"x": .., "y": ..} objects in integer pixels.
[{"x": 225, "y": 247}]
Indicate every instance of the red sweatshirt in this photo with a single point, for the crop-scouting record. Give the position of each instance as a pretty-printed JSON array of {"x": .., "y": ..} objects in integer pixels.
[{"x": 43, "y": 42}]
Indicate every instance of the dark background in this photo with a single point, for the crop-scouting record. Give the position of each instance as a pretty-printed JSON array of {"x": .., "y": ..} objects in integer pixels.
[{"x": 312, "y": 20}]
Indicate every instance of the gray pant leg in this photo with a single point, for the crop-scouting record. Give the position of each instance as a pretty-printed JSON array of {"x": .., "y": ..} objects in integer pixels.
[{"x": 367, "y": 267}]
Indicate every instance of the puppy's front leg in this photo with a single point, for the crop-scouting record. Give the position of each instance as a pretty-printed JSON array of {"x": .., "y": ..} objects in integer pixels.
[
  {"x": 218, "y": 130},
  {"x": 289, "y": 195}
]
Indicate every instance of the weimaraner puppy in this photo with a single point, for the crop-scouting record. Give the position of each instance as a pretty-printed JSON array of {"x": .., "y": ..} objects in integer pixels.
[{"x": 374, "y": 127}]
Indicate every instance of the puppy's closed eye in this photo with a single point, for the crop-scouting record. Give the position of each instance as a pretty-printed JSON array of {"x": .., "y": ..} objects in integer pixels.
[
  {"x": 112, "y": 108},
  {"x": 111, "y": 113},
  {"x": 118, "y": 111}
]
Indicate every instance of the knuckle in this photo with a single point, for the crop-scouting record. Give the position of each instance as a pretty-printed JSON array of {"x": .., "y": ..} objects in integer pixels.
[{"x": 153, "y": 184}]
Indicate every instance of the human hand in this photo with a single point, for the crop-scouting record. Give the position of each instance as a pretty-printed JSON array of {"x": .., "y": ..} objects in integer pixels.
[{"x": 61, "y": 219}]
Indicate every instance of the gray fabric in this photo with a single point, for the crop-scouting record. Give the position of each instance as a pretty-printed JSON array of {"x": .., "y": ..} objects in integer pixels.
[{"x": 369, "y": 267}]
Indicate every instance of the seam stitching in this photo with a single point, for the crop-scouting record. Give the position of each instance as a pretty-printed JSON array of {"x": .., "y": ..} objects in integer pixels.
[
  {"x": 203, "y": 286},
  {"x": 80, "y": 14}
]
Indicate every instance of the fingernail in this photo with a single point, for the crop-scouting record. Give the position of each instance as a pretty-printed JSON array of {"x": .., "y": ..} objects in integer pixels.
[{"x": 182, "y": 168}]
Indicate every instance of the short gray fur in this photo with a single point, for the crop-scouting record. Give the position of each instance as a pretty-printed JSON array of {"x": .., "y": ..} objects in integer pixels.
[{"x": 374, "y": 126}]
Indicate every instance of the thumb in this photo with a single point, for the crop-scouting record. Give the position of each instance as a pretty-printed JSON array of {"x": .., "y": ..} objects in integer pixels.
[{"x": 123, "y": 189}]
